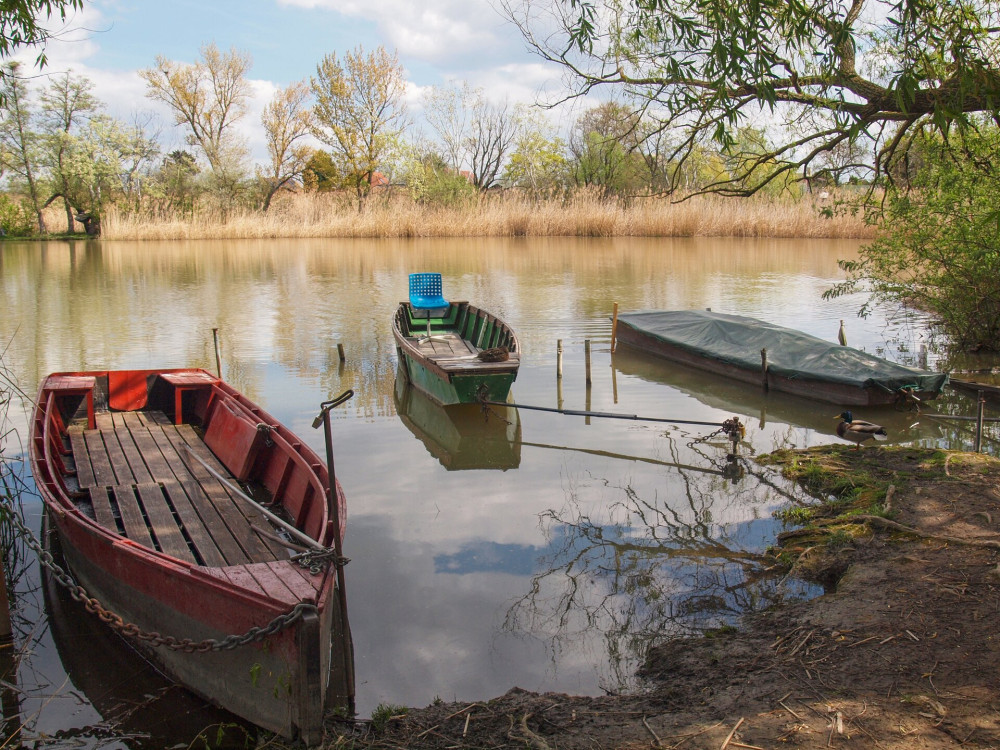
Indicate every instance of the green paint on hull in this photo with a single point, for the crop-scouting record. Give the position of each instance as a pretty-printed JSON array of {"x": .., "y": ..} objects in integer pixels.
[{"x": 461, "y": 389}]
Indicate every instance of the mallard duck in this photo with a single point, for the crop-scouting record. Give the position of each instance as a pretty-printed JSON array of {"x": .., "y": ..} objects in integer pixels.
[{"x": 858, "y": 430}]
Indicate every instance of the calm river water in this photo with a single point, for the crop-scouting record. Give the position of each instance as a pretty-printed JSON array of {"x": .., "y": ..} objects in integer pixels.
[{"x": 548, "y": 553}]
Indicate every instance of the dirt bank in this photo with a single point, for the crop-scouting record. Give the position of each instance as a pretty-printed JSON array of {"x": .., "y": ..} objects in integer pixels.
[{"x": 905, "y": 653}]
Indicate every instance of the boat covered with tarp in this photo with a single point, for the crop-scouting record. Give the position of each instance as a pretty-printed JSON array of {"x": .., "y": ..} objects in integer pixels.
[{"x": 775, "y": 357}]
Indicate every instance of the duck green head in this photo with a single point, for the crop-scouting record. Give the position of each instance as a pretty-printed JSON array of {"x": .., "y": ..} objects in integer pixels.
[{"x": 846, "y": 416}]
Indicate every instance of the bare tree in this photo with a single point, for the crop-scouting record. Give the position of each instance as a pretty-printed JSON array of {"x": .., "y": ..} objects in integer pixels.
[
  {"x": 448, "y": 111},
  {"x": 287, "y": 120},
  {"x": 493, "y": 133},
  {"x": 207, "y": 98}
]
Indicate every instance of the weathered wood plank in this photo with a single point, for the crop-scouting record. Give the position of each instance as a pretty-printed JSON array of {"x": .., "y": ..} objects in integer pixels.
[
  {"x": 164, "y": 524},
  {"x": 272, "y": 583},
  {"x": 131, "y": 513},
  {"x": 104, "y": 475},
  {"x": 207, "y": 551},
  {"x": 237, "y": 514},
  {"x": 132, "y": 453},
  {"x": 204, "y": 496},
  {"x": 102, "y": 509},
  {"x": 298, "y": 579},
  {"x": 119, "y": 463},
  {"x": 81, "y": 456}
]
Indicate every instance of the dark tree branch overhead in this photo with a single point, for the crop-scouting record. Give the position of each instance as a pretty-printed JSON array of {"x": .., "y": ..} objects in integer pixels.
[
  {"x": 813, "y": 73},
  {"x": 23, "y": 23}
]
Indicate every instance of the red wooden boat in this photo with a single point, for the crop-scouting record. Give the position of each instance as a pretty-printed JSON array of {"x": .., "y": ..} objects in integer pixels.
[{"x": 150, "y": 478}]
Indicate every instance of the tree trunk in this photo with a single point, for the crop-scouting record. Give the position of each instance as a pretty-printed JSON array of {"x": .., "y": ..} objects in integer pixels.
[{"x": 70, "y": 226}]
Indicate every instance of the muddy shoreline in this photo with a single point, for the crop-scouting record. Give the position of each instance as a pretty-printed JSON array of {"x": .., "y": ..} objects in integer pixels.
[{"x": 904, "y": 653}]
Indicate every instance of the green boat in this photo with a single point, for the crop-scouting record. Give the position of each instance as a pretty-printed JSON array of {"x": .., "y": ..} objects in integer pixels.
[{"x": 453, "y": 352}]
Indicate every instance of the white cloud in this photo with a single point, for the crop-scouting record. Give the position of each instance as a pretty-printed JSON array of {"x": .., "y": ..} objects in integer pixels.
[{"x": 433, "y": 32}]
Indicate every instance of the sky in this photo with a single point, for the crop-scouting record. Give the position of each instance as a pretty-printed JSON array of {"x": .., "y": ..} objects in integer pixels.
[{"x": 439, "y": 42}]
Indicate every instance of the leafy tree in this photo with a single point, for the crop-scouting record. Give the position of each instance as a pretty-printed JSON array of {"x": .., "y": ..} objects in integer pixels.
[
  {"x": 207, "y": 98},
  {"x": 287, "y": 120},
  {"x": 938, "y": 248},
  {"x": 65, "y": 106},
  {"x": 862, "y": 71},
  {"x": 177, "y": 180},
  {"x": 16, "y": 219},
  {"x": 19, "y": 147},
  {"x": 360, "y": 112},
  {"x": 321, "y": 174},
  {"x": 538, "y": 162},
  {"x": 751, "y": 153},
  {"x": 604, "y": 143},
  {"x": 431, "y": 180}
]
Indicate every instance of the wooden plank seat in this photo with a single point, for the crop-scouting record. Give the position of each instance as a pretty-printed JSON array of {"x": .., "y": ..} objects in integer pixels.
[{"x": 143, "y": 484}]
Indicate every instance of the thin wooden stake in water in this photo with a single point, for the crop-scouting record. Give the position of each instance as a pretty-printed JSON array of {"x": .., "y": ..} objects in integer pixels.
[
  {"x": 586, "y": 359},
  {"x": 218, "y": 362},
  {"x": 559, "y": 359},
  {"x": 763, "y": 368},
  {"x": 614, "y": 328},
  {"x": 340, "y": 352},
  {"x": 6, "y": 632},
  {"x": 979, "y": 422}
]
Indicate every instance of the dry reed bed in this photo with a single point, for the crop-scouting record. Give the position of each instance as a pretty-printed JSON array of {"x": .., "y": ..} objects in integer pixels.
[{"x": 312, "y": 215}]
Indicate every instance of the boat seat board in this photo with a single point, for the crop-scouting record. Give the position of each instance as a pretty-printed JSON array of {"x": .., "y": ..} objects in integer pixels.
[
  {"x": 448, "y": 345},
  {"x": 143, "y": 485}
]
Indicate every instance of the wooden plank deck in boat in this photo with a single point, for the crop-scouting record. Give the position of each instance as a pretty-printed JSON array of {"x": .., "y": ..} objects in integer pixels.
[
  {"x": 143, "y": 485},
  {"x": 452, "y": 352}
]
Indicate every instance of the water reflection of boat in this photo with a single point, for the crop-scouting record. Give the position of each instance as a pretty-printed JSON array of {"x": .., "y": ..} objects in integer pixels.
[
  {"x": 719, "y": 392},
  {"x": 132, "y": 697},
  {"x": 461, "y": 436}
]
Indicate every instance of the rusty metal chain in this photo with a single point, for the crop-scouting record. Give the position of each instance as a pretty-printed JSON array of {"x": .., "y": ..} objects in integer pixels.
[
  {"x": 117, "y": 623},
  {"x": 315, "y": 560}
]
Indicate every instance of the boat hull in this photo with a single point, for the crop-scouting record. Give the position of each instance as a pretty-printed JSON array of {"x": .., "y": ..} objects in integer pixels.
[
  {"x": 767, "y": 378},
  {"x": 283, "y": 681},
  {"x": 445, "y": 366}
]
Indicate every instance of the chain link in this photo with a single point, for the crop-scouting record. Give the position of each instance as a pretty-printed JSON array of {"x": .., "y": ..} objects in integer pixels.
[
  {"x": 315, "y": 560},
  {"x": 117, "y": 623}
]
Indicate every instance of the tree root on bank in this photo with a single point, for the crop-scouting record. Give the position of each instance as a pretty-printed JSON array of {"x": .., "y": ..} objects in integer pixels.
[{"x": 886, "y": 523}]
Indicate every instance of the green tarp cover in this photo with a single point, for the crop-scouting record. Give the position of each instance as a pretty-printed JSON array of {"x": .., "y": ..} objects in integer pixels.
[{"x": 738, "y": 340}]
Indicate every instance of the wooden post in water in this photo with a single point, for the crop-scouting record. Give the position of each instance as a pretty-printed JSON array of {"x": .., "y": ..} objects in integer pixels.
[
  {"x": 586, "y": 359},
  {"x": 979, "y": 422},
  {"x": 614, "y": 328},
  {"x": 559, "y": 391},
  {"x": 763, "y": 368},
  {"x": 340, "y": 352},
  {"x": 218, "y": 362}
]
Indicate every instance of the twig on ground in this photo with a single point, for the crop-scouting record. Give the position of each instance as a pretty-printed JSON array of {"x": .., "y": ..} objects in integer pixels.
[{"x": 731, "y": 734}]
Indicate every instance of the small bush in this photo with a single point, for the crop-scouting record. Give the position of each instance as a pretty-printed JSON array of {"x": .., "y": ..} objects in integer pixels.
[{"x": 15, "y": 217}]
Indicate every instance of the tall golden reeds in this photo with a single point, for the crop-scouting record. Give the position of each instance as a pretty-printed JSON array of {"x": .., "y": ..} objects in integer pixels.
[{"x": 501, "y": 215}]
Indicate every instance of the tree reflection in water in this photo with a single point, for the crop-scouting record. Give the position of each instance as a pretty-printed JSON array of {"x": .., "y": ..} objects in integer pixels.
[{"x": 650, "y": 569}]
